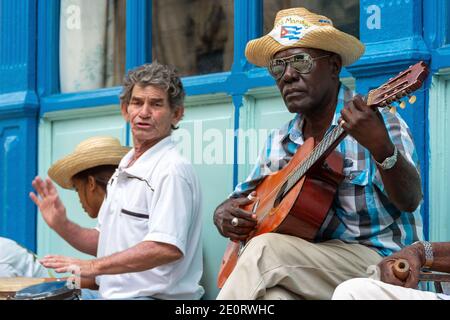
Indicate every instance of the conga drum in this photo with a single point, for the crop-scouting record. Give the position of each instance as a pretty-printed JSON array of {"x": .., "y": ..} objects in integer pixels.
[
  {"x": 54, "y": 290},
  {"x": 9, "y": 286}
]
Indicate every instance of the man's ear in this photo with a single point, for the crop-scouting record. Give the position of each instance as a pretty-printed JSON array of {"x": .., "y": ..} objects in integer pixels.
[
  {"x": 178, "y": 115},
  {"x": 124, "y": 110},
  {"x": 336, "y": 65},
  {"x": 91, "y": 183}
]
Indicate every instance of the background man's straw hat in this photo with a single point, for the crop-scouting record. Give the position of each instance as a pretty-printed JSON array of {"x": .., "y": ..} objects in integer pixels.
[
  {"x": 92, "y": 152},
  {"x": 298, "y": 27}
]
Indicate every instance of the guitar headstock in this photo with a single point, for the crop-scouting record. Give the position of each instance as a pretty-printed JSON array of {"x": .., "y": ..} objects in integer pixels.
[{"x": 405, "y": 83}]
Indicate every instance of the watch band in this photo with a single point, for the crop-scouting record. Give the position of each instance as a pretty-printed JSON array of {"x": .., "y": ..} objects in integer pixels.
[{"x": 428, "y": 250}]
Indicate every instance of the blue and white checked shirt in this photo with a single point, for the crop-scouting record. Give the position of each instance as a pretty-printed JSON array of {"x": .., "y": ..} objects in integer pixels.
[{"x": 361, "y": 211}]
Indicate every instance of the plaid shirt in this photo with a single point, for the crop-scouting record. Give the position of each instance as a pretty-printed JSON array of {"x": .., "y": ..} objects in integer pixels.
[{"x": 361, "y": 211}]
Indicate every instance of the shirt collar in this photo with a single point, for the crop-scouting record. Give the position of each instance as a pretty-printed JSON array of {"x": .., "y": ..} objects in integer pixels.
[
  {"x": 147, "y": 160},
  {"x": 294, "y": 129}
]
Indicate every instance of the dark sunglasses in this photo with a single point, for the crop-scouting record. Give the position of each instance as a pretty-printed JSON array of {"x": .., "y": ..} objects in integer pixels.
[{"x": 301, "y": 62}]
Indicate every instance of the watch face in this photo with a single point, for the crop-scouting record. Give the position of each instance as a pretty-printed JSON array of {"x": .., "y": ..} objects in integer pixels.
[{"x": 390, "y": 161}]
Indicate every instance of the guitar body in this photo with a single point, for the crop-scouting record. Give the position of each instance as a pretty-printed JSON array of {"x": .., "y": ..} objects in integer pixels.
[{"x": 300, "y": 212}]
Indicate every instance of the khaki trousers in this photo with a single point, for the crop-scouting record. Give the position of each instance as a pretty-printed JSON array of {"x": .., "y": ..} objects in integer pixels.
[{"x": 276, "y": 266}]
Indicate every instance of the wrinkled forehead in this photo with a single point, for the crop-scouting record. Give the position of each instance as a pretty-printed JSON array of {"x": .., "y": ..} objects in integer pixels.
[{"x": 149, "y": 91}]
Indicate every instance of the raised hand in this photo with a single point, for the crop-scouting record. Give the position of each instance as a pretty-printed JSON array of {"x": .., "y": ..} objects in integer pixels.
[{"x": 48, "y": 202}]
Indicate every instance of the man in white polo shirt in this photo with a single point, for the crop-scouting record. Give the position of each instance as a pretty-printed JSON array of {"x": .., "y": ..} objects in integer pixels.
[{"x": 149, "y": 227}]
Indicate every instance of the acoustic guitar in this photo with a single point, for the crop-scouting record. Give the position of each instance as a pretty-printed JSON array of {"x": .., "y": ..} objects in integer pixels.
[{"x": 296, "y": 199}]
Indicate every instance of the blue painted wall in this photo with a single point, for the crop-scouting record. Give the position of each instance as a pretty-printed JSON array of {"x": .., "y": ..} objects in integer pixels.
[
  {"x": 393, "y": 34},
  {"x": 18, "y": 118}
]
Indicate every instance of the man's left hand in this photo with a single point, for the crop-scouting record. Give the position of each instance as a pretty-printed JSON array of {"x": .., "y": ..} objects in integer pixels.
[
  {"x": 62, "y": 264},
  {"x": 410, "y": 253}
]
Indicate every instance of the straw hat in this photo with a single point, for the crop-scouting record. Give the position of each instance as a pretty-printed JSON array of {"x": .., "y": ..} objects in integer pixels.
[
  {"x": 298, "y": 27},
  {"x": 92, "y": 152}
]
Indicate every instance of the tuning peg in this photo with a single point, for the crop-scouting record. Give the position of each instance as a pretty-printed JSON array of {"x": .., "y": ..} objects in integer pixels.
[
  {"x": 393, "y": 110},
  {"x": 412, "y": 99},
  {"x": 403, "y": 104}
]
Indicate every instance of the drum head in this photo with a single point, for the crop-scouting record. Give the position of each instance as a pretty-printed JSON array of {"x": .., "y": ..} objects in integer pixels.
[
  {"x": 9, "y": 286},
  {"x": 56, "y": 290}
]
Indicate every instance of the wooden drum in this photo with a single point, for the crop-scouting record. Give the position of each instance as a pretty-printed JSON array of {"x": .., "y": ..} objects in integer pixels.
[{"x": 9, "y": 286}]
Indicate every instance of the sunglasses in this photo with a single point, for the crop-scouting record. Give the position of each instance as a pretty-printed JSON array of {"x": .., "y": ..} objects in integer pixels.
[{"x": 301, "y": 62}]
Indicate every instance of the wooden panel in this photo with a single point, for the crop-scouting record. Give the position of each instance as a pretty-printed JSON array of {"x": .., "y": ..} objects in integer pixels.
[
  {"x": 263, "y": 110},
  {"x": 439, "y": 157},
  {"x": 202, "y": 140},
  {"x": 17, "y": 167}
]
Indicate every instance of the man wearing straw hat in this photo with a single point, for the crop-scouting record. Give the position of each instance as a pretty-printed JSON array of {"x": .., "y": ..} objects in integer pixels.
[
  {"x": 148, "y": 238},
  {"x": 375, "y": 211},
  {"x": 87, "y": 170}
]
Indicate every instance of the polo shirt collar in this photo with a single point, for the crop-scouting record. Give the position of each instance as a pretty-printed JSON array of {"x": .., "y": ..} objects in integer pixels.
[{"x": 147, "y": 160}]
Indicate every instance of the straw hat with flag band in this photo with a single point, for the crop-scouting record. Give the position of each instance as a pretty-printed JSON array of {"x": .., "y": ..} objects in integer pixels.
[
  {"x": 90, "y": 153},
  {"x": 298, "y": 27}
]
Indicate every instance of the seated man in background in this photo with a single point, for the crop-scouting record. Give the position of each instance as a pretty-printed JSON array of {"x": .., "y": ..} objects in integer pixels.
[{"x": 422, "y": 254}]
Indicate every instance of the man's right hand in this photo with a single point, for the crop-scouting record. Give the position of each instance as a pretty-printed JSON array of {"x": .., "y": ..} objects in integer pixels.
[
  {"x": 230, "y": 209},
  {"x": 49, "y": 203}
]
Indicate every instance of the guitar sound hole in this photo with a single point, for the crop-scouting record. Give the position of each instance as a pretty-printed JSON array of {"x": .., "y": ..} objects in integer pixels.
[{"x": 280, "y": 194}]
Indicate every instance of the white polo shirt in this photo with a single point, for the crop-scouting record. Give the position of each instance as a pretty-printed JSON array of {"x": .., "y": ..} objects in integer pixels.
[
  {"x": 16, "y": 261},
  {"x": 158, "y": 199}
]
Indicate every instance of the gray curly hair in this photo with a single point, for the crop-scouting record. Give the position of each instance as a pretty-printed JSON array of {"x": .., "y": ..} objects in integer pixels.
[{"x": 154, "y": 74}]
